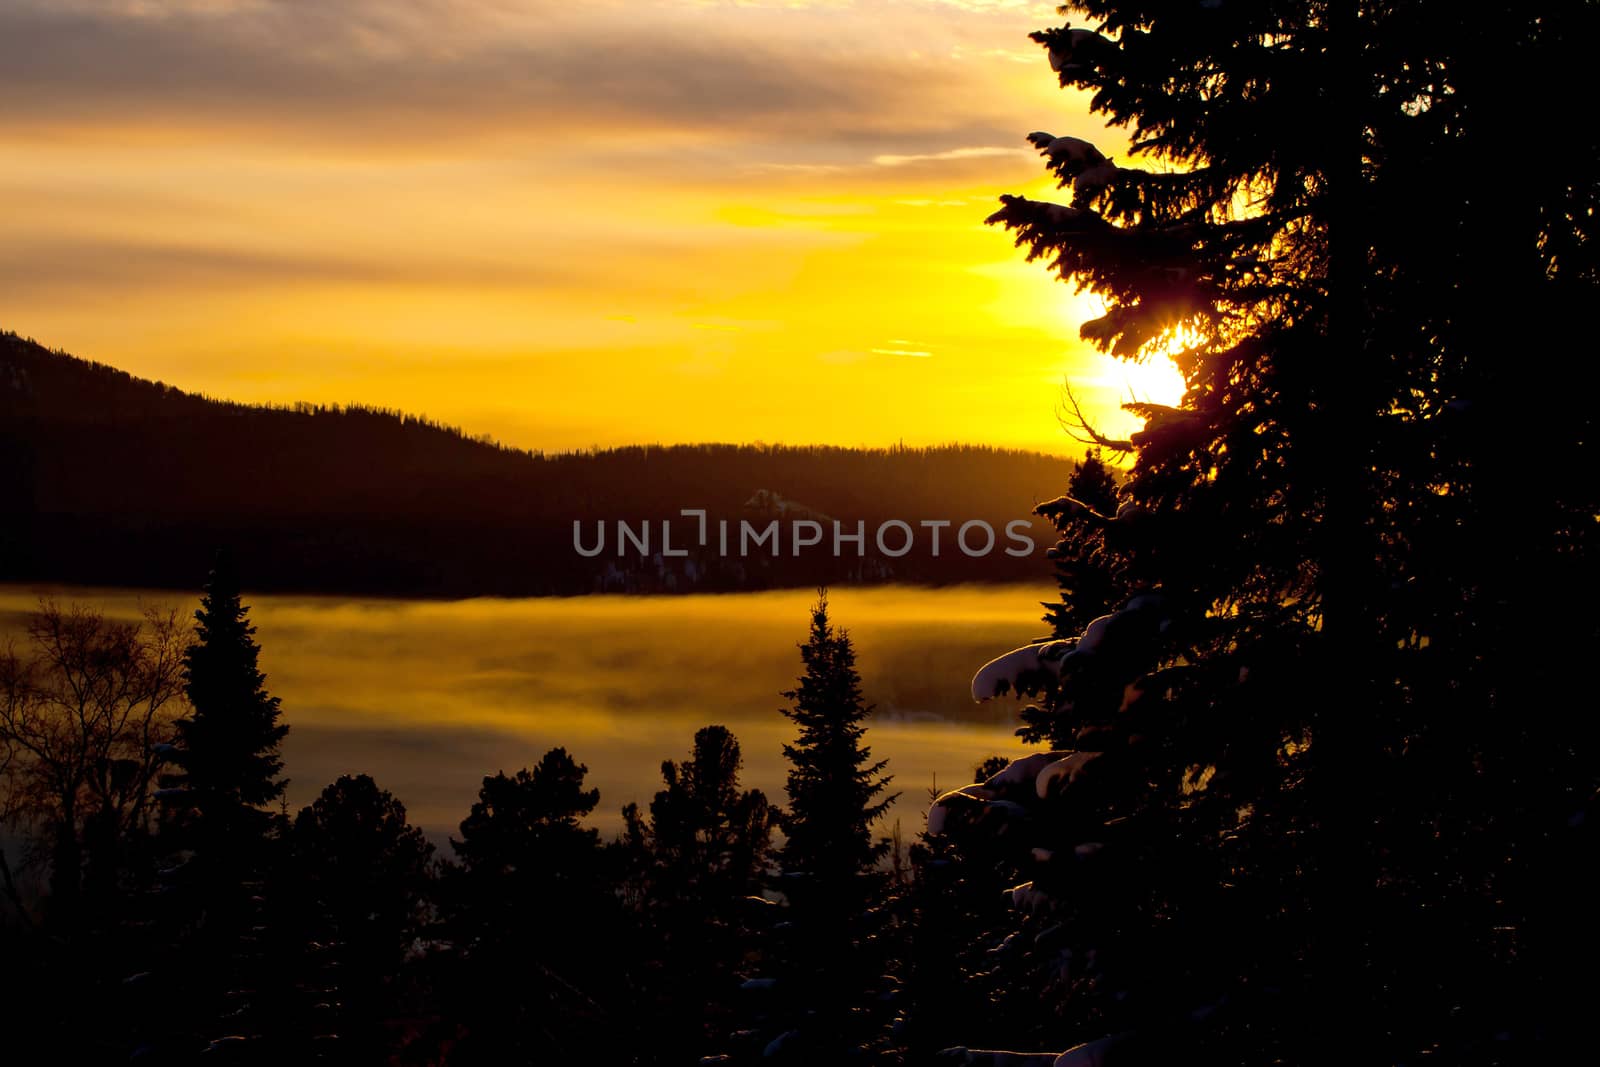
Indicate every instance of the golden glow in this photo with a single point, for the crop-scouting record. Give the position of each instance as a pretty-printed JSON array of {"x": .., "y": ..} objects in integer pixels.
[
  {"x": 1152, "y": 380},
  {"x": 429, "y": 696},
  {"x": 744, "y": 222},
  {"x": 1156, "y": 380}
]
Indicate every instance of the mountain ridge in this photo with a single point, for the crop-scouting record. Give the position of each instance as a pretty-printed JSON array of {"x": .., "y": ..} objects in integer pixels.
[{"x": 119, "y": 480}]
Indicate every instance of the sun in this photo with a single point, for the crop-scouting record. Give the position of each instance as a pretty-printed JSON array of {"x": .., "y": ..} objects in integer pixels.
[
  {"x": 1111, "y": 382},
  {"x": 1154, "y": 379}
]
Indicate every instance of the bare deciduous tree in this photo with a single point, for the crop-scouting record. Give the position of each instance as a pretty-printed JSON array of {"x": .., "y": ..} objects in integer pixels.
[{"x": 86, "y": 708}]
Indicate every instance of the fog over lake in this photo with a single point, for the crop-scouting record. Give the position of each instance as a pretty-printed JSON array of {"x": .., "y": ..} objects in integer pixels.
[{"x": 430, "y": 696}]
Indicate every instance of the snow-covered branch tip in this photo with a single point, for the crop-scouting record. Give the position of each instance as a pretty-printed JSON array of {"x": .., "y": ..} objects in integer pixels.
[
  {"x": 1033, "y": 667},
  {"x": 1076, "y": 162},
  {"x": 1069, "y": 153},
  {"x": 1073, "y": 53},
  {"x": 1020, "y": 213},
  {"x": 1167, "y": 427},
  {"x": 1071, "y": 505}
]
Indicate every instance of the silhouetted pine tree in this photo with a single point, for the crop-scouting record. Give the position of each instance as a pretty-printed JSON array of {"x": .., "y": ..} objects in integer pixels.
[
  {"x": 695, "y": 863},
  {"x": 952, "y": 918},
  {"x": 227, "y": 753},
  {"x": 1088, "y": 575},
  {"x": 357, "y": 889},
  {"x": 835, "y": 787},
  {"x": 1083, "y": 570},
  {"x": 363, "y": 867},
  {"x": 221, "y": 918},
  {"x": 828, "y": 956},
  {"x": 529, "y": 865},
  {"x": 526, "y": 825},
  {"x": 530, "y": 900},
  {"x": 710, "y": 839},
  {"x": 1314, "y": 815}
]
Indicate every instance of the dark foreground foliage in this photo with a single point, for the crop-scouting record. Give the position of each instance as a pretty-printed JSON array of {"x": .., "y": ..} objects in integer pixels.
[{"x": 1320, "y": 768}]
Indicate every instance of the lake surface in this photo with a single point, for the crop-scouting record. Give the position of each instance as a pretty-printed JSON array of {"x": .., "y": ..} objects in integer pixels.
[{"x": 430, "y": 696}]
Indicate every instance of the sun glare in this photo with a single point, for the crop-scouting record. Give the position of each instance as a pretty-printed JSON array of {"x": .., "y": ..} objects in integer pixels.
[{"x": 1155, "y": 380}]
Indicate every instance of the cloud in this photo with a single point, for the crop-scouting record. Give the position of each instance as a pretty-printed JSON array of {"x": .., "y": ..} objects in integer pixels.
[
  {"x": 981, "y": 152},
  {"x": 417, "y": 70},
  {"x": 379, "y": 199},
  {"x": 93, "y": 263}
]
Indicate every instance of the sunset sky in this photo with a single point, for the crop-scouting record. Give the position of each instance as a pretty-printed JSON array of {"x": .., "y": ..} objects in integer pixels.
[{"x": 563, "y": 224}]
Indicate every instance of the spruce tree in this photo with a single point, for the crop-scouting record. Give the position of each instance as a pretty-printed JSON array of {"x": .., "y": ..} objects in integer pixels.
[
  {"x": 1085, "y": 573},
  {"x": 1318, "y": 811},
  {"x": 227, "y": 763},
  {"x": 228, "y": 746},
  {"x": 835, "y": 787}
]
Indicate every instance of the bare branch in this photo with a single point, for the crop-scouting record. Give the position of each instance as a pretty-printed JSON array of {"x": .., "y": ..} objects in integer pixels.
[{"x": 1077, "y": 425}]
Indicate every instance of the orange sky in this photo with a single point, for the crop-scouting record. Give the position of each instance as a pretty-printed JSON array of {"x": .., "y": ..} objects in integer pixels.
[{"x": 563, "y": 224}]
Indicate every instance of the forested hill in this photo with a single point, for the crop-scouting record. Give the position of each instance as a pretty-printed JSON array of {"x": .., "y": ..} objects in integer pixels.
[{"x": 112, "y": 479}]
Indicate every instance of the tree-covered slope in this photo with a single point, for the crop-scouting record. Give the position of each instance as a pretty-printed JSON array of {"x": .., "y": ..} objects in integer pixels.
[{"x": 108, "y": 478}]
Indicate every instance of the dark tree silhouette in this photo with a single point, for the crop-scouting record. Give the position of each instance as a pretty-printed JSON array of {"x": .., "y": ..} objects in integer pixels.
[
  {"x": 532, "y": 872},
  {"x": 710, "y": 839},
  {"x": 226, "y": 845},
  {"x": 693, "y": 866},
  {"x": 362, "y": 863},
  {"x": 528, "y": 823},
  {"x": 1090, "y": 573},
  {"x": 354, "y": 898},
  {"x": 227, "y": 755},
  {"x": 529, "y": 899},
  {"x": 835, "y": 787},
  {"x": 1084, "y": 571},
  {"x": 832, "y": 951},
  {"x": 1313, "y": 808}
]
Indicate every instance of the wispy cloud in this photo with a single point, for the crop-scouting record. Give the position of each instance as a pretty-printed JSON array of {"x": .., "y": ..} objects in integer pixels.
[
  {"x": 511, "y": 213},
  {"x": 366, "y": 71},
  {"x": 949, "y": 155}
]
